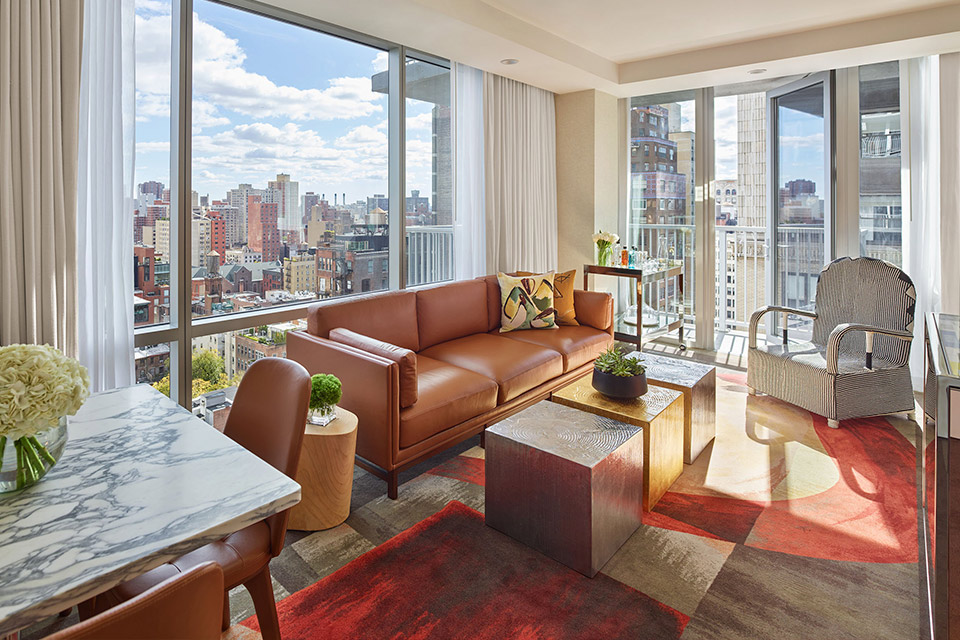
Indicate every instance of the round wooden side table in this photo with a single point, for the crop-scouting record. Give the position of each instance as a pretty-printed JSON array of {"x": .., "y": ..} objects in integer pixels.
[{"x": 325, "y": 474}]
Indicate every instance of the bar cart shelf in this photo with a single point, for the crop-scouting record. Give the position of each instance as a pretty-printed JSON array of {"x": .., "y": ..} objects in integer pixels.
[{"x": 668, "y": 320}]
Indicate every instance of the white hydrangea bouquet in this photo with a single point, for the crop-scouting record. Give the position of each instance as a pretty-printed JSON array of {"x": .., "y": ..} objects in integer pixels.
[
  {"x": 39, "y": 386},
  {"x": 605, "y": 241}
]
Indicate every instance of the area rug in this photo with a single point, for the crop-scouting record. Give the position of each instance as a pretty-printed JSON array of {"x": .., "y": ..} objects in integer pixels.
[
  {"x": 778, "y": 478},
  {"x": 450, "y": 576}
]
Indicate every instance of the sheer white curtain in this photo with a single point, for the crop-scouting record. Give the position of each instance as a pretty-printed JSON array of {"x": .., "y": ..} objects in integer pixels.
[
  {"x": 105, "y": 193},
  {"x": 920, "y": 113},
  {"x": 520, "y": 153},
  {"x": 469, "y": 232},
  {"x": 950, "y": 181}
]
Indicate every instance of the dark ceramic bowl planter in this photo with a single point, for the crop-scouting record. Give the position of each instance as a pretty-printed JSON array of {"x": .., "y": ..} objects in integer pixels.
[{"x": 623, "y": 387}]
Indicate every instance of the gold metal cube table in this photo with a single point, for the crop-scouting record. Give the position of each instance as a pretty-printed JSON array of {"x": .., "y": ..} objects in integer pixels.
[{"x": 659, "y": 413}]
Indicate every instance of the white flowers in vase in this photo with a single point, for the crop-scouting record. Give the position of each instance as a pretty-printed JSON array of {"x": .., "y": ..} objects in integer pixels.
[
  {"x": 38, "y": 386},
  {"x": 605, "y": 241}
]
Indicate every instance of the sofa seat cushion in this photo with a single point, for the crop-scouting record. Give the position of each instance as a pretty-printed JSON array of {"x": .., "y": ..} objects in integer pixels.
[
  {"x": 577, "y": 345},
  {"x": 446, "y": 396},
  {"x": 515, "y": 365}
]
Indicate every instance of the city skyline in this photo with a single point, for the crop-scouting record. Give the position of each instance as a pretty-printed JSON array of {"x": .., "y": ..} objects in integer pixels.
[{"x": 266, "y": 91}]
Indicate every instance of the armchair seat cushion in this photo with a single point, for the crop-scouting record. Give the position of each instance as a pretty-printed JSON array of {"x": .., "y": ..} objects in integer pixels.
[
  {"x": 447, "y": 395},
  {"x": 516, "y": 366},
  {"x": 797, "y": 373},
  {"x": 577, "y": 345}
]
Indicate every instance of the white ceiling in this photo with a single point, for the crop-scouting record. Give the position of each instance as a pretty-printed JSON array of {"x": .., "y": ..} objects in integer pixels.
[
  {"x": 628, "y": 30},
  {"x": 630, "y": 47}
]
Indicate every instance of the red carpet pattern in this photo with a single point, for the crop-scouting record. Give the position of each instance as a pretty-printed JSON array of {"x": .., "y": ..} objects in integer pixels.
[{"x": 451, "y": 576}]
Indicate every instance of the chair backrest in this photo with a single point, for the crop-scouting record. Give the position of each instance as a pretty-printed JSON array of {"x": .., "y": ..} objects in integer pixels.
[
  {"x": 268, "y": 418},
  {"x": 865, "y": 291},
  {"x": 188, "y": 605}
]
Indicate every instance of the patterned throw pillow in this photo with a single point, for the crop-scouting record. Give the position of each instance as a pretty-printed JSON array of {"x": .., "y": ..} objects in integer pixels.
[
  {"x": 563, "y": 284},
  {"x": 527, "y": 302}
]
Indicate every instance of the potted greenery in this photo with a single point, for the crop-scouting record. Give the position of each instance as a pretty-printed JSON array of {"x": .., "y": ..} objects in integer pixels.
[
  {"x": 617, "y": 376},
  {"x": 325, "y": 393}
]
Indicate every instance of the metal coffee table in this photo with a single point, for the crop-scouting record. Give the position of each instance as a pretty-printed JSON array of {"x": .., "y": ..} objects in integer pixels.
[{"x": 565, "y": 482}]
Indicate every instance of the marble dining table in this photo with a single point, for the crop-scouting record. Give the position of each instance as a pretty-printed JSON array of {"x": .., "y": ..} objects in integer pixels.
[{"x": 141, "y": 481}]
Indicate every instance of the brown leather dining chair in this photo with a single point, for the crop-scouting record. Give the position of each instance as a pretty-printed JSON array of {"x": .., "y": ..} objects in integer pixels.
[
  {"x": 186, "y": 606},
  {"x": 267, "y": 418}
]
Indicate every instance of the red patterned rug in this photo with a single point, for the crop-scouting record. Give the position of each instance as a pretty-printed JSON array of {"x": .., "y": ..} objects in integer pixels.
[{"x": 450, "y": 576}]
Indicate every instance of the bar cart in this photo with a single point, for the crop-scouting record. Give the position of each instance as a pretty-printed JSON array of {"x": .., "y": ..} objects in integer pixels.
[{"x": 666, "y": 320}]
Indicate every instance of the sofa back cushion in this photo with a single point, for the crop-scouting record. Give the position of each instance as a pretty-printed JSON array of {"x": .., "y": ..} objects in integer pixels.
[
  {"x": 390, "y": 316},
  {"x": 451, "y": 311},
  {"x": 493, "y": 301},
  {"x": 405, "y": 359}
]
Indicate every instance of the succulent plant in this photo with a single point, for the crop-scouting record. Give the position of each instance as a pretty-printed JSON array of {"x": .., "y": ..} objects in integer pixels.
[{"x": 615, "y": 362}]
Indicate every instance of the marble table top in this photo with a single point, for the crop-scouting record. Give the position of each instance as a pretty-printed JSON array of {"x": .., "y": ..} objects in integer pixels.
[{"x": 142, "y": 481}]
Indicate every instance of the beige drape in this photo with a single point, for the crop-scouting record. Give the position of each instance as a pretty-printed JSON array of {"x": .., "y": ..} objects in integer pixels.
[{"x": 39, "y": 87}]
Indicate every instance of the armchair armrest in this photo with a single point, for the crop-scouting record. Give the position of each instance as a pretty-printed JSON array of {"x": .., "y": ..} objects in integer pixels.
[
  {"x": 371, "y": 390},
  {"x": 594, "y": 309},
  {"x": 757, "y": 315},
  {"x": 833, "y": 342}
]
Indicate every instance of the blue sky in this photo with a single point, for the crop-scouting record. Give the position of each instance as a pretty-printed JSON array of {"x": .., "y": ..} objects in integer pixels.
[{"x": 271, "y": 98}]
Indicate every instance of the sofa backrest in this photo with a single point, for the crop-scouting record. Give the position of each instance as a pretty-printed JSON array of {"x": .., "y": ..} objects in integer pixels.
[
  {"x": 450, "y": 311},
  {"x": 390, "y": 316},
  {"x": 493, "y": 301}
]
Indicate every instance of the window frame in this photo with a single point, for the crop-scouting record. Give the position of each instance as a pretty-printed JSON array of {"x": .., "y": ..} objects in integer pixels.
[{"x": 182, "y": 327}]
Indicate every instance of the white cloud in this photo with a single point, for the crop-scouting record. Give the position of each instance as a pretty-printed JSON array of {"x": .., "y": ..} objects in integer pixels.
[
  {"x": 381, "y": 62},
  {"x": 725, "y": 135},
  {"x": 420, "y": 121},
  {"x": 153, "y": 147},
  {"x": 221, "y": 82}
]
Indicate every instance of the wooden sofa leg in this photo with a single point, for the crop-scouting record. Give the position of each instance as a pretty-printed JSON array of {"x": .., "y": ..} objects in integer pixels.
[
  {"x": 483, "y": 439},
  {"x": 393, "y": 482}
]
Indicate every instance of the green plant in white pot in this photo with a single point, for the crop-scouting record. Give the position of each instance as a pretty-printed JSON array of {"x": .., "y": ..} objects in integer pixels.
[
  {"x": 325, "y": 393},
  {"x": 39, "y": 388}
]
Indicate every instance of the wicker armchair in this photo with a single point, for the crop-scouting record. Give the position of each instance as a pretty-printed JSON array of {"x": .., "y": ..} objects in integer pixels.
[{"x": 857, "y": 362}]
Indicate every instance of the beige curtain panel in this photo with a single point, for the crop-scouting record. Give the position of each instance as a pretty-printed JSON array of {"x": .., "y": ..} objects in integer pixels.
[{"x": 39, "y": 89}]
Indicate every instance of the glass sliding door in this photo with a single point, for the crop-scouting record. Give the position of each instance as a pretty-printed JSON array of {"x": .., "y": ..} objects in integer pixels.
[
  {"x": 801, "y": 212},
  {"x": 661, "y": 199}
]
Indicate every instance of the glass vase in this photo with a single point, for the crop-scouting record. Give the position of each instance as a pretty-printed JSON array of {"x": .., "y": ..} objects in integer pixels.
[
  {"x": 23, "y": 462},
  {"x": 322, "y": 416},
  {"x": 605, "y": 255}
]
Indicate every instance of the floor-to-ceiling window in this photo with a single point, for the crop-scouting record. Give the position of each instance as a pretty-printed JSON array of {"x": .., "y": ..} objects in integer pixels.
[{"x": 266, "y": 182}]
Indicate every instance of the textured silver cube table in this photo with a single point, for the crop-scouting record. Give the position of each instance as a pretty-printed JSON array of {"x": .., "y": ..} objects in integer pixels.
[
  {"x": 565, "y": 482},
  {"x": 698, "y": 382}
]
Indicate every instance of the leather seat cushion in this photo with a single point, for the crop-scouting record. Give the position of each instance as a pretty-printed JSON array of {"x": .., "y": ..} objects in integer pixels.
[
  {"x": 446, "y": 396},
  {"x": 241, "y": 555},
  {"x": 515, "y": 365},
  {"x": 578, "y": 345}
]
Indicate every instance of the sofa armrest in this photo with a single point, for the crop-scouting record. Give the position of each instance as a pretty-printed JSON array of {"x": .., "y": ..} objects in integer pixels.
[
  {"x": 371, "y": 390},
  {"x": 594, "y": 308}
]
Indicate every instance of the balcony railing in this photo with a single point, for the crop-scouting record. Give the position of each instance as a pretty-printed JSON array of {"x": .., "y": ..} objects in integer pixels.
[
  {"x": 880, "y": 144},
  {"x": 429, "y": 254}
]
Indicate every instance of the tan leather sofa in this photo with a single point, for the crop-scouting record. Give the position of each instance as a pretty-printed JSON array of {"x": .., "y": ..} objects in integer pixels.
[{"x": 425, "y": 369}]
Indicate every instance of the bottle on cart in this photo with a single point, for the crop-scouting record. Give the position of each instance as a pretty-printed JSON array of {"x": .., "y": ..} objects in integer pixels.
[
  {"x": 623, "y": 258},
  {"x": 614, "y": 256}
]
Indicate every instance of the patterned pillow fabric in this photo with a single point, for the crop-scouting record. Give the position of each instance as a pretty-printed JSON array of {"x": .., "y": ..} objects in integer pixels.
[
  {"x": 526, "y": 302},
  {"x": 562, "y": 296}
]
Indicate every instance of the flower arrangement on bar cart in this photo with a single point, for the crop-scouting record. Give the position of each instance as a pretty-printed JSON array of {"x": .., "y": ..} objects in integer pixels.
[
  {"x": 617, "y": 375},
  {"x": 605, "y": 241},
  {"x": 325, "y": 393},
  {"x": 39, "y": 388}
]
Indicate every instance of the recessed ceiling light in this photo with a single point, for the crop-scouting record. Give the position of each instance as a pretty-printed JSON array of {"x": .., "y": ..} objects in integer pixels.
[
  {"x": 509, "y": 61},
  {"x": 756, "y": 71}
]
